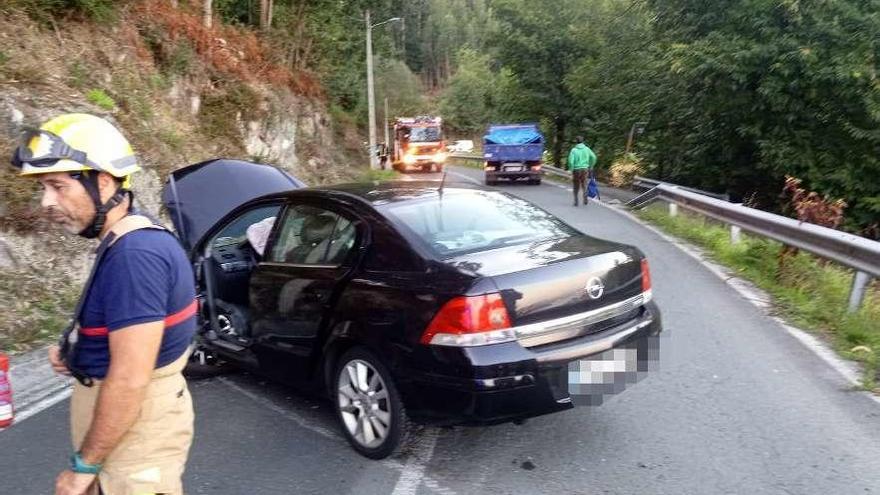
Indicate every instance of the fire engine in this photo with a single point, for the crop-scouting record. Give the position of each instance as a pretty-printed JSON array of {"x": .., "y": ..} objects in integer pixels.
[{"x": 418, "y": 144}]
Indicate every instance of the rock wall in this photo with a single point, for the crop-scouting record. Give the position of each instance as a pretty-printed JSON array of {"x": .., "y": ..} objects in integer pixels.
[{"x": 172, "y": 120}]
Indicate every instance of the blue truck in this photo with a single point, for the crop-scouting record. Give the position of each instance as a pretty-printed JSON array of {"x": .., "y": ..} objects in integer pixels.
[{"x": 513, "y": 152}]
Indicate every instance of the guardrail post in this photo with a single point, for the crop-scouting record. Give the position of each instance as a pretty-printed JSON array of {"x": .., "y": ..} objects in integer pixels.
[
  {"x": 857, "y": 294},
  {"x": 735, "y": 234},
  {"x": 673, "y": 210}
]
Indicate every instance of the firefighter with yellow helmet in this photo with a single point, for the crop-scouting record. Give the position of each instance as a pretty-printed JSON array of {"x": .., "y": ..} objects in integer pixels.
[{"x": 128, "y": 340}]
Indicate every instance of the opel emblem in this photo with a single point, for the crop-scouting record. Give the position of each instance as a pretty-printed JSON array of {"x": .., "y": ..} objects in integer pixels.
[{"x": 595, "y": 288}]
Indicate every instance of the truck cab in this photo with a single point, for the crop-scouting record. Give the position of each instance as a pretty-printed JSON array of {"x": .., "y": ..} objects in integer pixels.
[{"x": 418, "y": 144}]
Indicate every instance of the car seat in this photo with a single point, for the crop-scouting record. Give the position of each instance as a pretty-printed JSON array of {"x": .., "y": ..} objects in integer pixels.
[{"x": 314, "y": 240}]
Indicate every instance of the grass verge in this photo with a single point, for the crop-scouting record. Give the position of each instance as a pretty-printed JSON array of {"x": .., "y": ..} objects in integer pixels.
[
  {"x": 39, "y": 311},
  {"x": 808, "y": 292},
  {"x": 370, "y": 175}
]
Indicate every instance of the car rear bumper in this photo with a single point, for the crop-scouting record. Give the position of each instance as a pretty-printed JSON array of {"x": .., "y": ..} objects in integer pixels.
[
  {"x": 505, "y": 382},
  {"x": 506, "y": 174}
]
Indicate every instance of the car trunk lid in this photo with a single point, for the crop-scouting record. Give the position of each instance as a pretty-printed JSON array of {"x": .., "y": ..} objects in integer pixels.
[
  {"x": 577, "y": 285},
  {"x": 199, "y": 195}
]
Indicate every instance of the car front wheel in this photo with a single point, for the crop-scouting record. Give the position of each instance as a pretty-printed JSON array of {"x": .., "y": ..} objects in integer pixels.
[{"x": 368, "y": 405}]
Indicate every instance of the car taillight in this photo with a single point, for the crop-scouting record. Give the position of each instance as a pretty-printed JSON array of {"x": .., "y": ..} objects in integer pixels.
[
  {"x": 470, "y": 321},
  {"x": 646, "y": 279}
]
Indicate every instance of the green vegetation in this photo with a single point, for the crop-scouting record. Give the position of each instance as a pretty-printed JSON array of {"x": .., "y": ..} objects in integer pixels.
[
  {"x": 39, "y": 312},
  {"x": 735, "y": 98},
  {"x": 808, "y": 292},
  {"x": 100, "y": 98},
  {"x": 379, "y": 175},
  {"x": 100, "y": 11},
  {"x": 222, "y": 110},
  {"x": 79, "y": 74}
]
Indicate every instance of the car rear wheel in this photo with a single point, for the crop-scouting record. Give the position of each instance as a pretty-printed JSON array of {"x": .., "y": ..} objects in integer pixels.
[{"x": 368, "y": 405}]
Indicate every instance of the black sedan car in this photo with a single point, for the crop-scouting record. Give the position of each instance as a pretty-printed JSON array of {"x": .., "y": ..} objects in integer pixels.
[{"x": 406, "y": 301}]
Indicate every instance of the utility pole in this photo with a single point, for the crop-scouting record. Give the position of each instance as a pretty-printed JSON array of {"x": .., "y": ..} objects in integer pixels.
[
  {"x": 387, "y": 120},
  {"x": 374, "y": 163},
  {"x": 371, "y": 93}
]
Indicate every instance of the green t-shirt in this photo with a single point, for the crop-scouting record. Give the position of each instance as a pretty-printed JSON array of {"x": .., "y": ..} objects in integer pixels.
[{"x": 581, "y": 157}]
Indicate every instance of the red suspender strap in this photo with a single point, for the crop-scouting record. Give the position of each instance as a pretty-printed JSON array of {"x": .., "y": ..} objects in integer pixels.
[{"x": 170, "y": 321}]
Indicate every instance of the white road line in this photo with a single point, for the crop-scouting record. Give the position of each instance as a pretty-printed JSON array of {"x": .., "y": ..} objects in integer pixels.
[
  {"x": 39, "y": 406},
  {"x": 413, "y": 473},
  {"x": 463, "y": 176},
  {"x": 758, "y": 298},
  {"x": 287, "y": 414}
]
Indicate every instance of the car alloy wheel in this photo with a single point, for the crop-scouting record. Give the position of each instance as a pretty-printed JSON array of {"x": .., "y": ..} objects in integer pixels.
[
  {"x": 368, "y": 405},
  {"x": 363, "y": 403}
]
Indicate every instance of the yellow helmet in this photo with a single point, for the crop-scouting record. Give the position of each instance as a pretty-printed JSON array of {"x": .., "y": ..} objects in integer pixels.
[{"x": 76, "y": 142}]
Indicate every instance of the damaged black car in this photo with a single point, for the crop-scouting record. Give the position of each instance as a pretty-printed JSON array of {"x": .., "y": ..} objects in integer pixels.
[{"x": 403, "y": 302}]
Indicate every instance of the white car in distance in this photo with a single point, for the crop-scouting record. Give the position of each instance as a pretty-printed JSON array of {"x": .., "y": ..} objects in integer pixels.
[{"x": 461, "y": 146}]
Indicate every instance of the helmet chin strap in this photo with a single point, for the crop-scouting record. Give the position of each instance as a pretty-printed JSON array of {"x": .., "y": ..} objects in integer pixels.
[{"x": 90, "y": 183}]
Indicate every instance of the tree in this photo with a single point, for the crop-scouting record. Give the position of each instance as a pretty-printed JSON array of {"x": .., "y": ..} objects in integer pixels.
[
  {"x": 535, "y": 41},
  {"x": 207, "y": 13},
  {"x": 266, "y": 7},
  {"x": 401, "y": 86},
  {"x": 779, "y": 88},
  {"x": 469, "y": 101}
]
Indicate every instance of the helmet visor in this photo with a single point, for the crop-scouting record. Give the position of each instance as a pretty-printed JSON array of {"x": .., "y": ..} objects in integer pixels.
[{"x": 39, "y": 148}]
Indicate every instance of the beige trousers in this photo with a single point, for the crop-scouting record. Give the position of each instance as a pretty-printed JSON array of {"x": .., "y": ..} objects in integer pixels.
[{"x": 151, "y": 456}]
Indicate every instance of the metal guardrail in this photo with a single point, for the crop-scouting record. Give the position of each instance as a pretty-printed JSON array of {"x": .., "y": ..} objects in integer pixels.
[
  {"x": 645, "y": 183},
  {"x": 858, "y": 253},
  {"x": 546, "y": 169},
  {"x": 550, "y": 169},
  {"x": 466, "y": 156}
]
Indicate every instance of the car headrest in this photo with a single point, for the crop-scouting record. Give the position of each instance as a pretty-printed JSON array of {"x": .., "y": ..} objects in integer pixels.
[{"x": 317, "y": 228}]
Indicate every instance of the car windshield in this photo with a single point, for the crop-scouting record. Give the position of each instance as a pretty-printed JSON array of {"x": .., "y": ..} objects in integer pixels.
[
  {"x": 472, "y": 221},
  {"x": 424, "y": 134}
]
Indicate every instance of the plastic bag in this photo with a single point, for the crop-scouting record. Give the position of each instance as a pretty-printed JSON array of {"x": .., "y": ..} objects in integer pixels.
[{"x": 593, "y": 188}]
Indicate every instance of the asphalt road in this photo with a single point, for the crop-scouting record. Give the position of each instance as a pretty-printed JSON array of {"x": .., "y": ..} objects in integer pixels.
[{"x": 736, "y": 406}]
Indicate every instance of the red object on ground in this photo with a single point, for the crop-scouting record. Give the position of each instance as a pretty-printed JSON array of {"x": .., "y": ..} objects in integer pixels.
[{"x": 6, "y": 412}]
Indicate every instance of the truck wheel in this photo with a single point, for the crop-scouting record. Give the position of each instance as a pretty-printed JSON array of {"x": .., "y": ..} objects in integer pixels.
[
  {"x": 368, "y": 405},
  {"x": 535, "y": 182}
]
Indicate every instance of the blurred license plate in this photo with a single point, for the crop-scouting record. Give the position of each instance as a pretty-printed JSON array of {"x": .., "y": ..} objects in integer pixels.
[
  {"x": 513, "y": 168},
  {"x": 604, "y": 368}
]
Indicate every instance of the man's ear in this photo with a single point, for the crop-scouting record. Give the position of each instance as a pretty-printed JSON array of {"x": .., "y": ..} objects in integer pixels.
[{"x": 107, "y": 184}]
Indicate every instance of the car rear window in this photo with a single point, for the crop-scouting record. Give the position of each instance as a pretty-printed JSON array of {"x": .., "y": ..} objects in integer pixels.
[{"x": 472, "y": 221}]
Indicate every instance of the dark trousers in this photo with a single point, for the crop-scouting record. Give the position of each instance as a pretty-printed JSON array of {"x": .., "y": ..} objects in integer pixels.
[{"x": 579, "y": 183}]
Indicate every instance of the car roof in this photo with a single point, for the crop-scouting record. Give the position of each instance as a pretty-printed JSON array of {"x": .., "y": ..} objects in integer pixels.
[{"x": 380, "y": 193}]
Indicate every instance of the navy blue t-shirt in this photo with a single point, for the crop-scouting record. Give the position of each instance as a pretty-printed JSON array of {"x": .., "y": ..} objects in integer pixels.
[{"x": 144, "y": 277}]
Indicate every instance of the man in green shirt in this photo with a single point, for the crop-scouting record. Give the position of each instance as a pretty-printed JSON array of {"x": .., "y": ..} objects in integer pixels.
[{"x": 580, "y": 160}]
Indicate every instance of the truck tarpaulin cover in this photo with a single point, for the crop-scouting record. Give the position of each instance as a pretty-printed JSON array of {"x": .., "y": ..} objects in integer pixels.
[{"x": 513, "y": 135}]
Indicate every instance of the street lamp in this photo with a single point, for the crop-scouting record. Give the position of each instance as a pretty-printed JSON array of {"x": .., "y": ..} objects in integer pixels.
[{"x": 374, "y": 162}]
